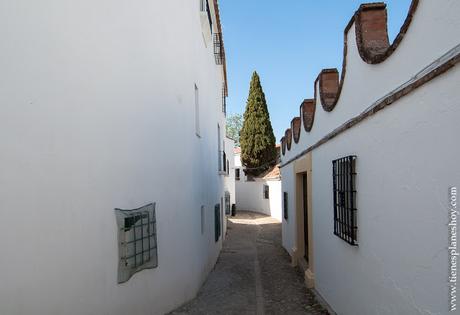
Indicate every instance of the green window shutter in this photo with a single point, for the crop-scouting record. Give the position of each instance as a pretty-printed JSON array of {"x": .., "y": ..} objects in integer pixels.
[
  {"x": 285, "y": 205},
  {"x": 217, "y": 222}
]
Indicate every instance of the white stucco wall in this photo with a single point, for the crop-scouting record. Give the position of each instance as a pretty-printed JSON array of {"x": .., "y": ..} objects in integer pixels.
[
  {"x": 97, "y": 112},
  {"x": 249, "y": 194},
  {"x": 406, "y": 160},
  {"x": 428, "y": 38},
  {"x": 249, "y": 197},
  {"x": 237, "y": 161},
  {"x": 404, "y": 172},
  {"x": 229, "y": 180},
  {"x": 289, "y": 224}
]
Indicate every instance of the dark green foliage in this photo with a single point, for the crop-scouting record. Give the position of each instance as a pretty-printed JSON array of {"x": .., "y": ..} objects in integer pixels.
[{"x": 257, "y": 140}]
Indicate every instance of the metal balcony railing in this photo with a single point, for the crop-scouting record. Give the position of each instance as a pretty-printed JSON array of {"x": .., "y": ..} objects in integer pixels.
[
  {"x": 224, "y": 99},
  {"x": 219, "y": 54}
]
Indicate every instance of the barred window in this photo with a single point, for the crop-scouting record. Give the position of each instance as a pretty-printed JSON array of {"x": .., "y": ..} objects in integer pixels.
[
  {"x": 137, "y": 241},
  {"x": 219, "y": 54},
  {"x": 266, "y": 192},
  {"x": 217, "y": 227},
  {"x": 227, "y": 203},
  {"x": 285, "y": 205},
  {"x": 344, "y": 173}
]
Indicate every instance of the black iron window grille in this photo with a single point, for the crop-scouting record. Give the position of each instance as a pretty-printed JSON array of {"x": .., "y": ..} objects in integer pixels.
[
  {"x": 345, "y": 218},
  {"x": 285, "y": 205},
  {"x": 266, "y": 192},
  {"x": 224, "y": 99},
  {"x": 217, "y": 222},
  {"x": 137, "y": 241},
  {"x": 227, "y": 203},
  {"x": 237, "y": 174},
  {"x": 219, "y": 54}
]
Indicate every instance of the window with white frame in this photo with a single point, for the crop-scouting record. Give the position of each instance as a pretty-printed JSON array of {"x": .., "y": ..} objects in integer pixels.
[{"x": 137, "y": 241}]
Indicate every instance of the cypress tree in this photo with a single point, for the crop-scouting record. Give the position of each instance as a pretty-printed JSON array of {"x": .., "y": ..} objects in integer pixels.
[{"x": 258, "y": 152}]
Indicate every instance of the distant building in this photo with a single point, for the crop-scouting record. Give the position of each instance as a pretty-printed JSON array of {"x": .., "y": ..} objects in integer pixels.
[
  {"x": 258, "y": 193},
  {"x": 229, "y": 180},
  {"x": 110, "y": 105},
  {"x": 367, "y": 165}
]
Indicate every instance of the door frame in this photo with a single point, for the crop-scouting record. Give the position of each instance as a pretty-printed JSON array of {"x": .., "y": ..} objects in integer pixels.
[
  {"x": 303, "y": 166},
  {"x": 306, "y": 228}
]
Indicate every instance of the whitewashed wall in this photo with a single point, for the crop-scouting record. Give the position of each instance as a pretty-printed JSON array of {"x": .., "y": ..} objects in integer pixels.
[
  {"x": 404, "y": 172},
  {"x": 97, "y": 112},
  {"x": 406, "y": 157},
  {"x": 229, "y": 180},
  {"x": 249, "y": 194},
  {"x": 288, "y": 182},
  {"x": 428, "y": 38},
  {"x": 249, "y": 197}
]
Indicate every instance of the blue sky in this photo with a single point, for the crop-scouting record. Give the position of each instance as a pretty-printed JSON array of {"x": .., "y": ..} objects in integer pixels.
[{"x": 287, "y": 43}]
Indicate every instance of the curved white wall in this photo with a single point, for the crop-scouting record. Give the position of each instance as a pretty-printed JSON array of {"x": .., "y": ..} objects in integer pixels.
[
  {"x": 428, "y": 38},
  {"x": 97, "y": 112},
  {"x": 249, "y": 197},
  {"x": 404, "y": 172},
  {"x": 406, "y": 161},
  {"x": 249, "y": 194}
]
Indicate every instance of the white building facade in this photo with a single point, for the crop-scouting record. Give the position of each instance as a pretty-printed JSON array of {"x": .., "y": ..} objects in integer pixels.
[
  {"x": 260, "y": 194},
  {"x": 109, "y": 105},
  {"x": 229, "y": 182},
  {"x": 367, "y": 166}
]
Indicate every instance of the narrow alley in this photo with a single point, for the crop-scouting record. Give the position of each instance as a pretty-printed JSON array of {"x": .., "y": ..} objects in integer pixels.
[{"x": 253, "y": 274}]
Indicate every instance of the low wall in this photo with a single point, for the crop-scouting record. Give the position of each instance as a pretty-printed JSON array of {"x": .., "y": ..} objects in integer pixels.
[{"x": 249, "y": 196}]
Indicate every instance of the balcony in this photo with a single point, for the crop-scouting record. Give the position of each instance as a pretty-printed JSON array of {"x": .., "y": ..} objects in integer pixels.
[{"x": 219, "y": 52}]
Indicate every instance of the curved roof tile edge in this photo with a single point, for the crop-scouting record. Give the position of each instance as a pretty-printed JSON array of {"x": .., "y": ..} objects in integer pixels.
[
  {"x": 288, "y": 138},
  {"x": 295, "y": 127},
  {"x": 373, "y": 47}
]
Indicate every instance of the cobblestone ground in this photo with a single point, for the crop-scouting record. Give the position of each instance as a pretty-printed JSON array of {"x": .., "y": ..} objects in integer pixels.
[{"x": 253, "y": 275}]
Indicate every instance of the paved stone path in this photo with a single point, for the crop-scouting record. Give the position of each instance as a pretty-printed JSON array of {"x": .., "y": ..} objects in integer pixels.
[{"x": 253, "y": 275}]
